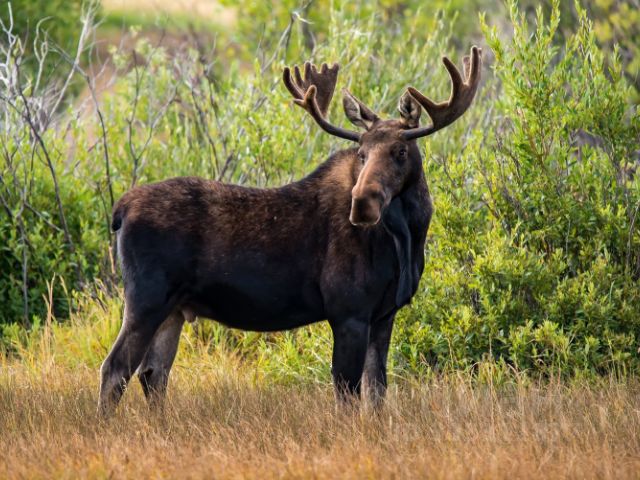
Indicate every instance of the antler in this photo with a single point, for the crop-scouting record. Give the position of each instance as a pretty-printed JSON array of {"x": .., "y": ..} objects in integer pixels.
[
  {"x": 314, "y": 93},
  {"x": 462, "y": 93}
]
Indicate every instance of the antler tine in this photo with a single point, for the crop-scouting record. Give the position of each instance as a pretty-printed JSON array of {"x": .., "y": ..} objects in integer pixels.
[
  {"x": 313, "y": 92},
  {"x": 462, "y": 92},
  {"x": 456, "y": 78},
  {"x": 291, "y": 86}
]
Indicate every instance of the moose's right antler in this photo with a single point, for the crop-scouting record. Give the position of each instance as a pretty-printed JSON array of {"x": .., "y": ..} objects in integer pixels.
[
  {"x": 462, "y": 93},
  {"x": 314, "y": 93}
]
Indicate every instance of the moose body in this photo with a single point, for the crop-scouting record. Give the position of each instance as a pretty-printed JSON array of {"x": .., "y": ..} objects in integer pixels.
[
  {"x": 266, "y": 260},
  {"x": 344, "y": 244}
]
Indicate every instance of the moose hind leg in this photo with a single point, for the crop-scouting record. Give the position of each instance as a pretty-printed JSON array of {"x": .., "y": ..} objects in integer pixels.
[
  {"x": 350, "y": 339},
  {"x": 156, "y": 364},
  {"x": 126, "y": 354}
]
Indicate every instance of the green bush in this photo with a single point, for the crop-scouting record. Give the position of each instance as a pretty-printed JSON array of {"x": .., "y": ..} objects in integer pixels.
[
  {"x": 533, "y": 255},
  {"x": 293, "y": 28},
  {"x": 616, "y": 25},
  {"x": 59, "y": 20}
]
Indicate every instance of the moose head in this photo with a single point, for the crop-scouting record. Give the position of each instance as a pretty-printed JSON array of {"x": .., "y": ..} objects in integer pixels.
[{"x": 387, "y": 149}]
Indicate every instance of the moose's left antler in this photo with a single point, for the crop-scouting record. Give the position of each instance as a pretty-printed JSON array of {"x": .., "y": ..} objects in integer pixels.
[
  {"x": 462, "y": 93},
  {"x": 313, "y": 92}
]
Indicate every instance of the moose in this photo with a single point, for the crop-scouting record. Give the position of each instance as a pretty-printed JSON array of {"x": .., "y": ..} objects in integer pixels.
[{"x": 344, "y": 244}]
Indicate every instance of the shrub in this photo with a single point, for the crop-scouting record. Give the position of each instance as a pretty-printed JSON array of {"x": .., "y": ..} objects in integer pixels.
[
  {"x": 533, "y": 255},
  {"x": 58, "y": 20}
]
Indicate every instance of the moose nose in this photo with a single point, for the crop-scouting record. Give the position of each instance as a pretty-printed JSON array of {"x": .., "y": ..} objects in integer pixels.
[{"x": 366, "y": 208}]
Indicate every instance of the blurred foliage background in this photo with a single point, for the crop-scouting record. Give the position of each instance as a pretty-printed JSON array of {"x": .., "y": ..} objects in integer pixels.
[{"x": 533, "y": 256}]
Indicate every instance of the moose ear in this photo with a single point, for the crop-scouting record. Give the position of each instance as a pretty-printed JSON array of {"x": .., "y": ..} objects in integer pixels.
[
  {"x": 356, "y": 111},
  {"x": 410, "y": 110}
]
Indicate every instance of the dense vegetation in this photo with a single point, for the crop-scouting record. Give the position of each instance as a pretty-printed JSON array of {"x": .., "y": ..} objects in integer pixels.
[{"x": 533, "y": 257}]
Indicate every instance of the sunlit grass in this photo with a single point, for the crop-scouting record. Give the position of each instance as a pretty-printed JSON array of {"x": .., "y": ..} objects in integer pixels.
[
  {"x": 250, "y": 405},
  {"x": 223, "y": 421}
]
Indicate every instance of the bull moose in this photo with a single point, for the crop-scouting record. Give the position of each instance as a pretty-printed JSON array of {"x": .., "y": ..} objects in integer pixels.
[{"x": 344, "y": 244}]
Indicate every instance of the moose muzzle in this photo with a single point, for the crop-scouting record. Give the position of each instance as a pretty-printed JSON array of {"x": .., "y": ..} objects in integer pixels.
[{"x": 366, "y": 206}]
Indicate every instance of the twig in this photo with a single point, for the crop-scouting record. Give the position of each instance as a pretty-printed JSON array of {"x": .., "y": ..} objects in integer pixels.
[{"x": 87, "y": 24}]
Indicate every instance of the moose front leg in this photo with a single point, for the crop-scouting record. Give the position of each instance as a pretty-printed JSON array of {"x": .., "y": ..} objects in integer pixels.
[
  {"x": 350, "y": 338},
  {"x": 375, "y": 368}
]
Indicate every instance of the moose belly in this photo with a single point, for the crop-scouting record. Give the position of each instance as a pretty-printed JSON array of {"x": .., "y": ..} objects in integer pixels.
[{"x": 253, "y": 300}]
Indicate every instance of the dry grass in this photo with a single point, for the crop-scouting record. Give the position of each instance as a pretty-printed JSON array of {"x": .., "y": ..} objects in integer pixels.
[{"x": 229, "y": 425}]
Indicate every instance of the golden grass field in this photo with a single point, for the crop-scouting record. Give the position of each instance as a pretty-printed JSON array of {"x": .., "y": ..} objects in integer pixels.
[{"x": 223, "y": 421}]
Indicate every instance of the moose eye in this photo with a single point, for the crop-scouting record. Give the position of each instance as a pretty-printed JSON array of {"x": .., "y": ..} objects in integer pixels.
[
  {"x": 361, "y": 157},
  {"x": 401, "y": 156}
]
